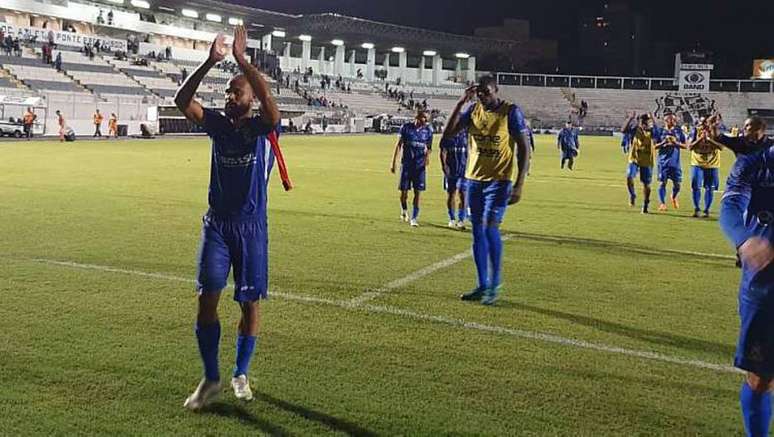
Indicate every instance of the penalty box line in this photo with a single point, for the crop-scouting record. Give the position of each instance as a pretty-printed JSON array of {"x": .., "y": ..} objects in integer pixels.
[{"x": 413, "y": 315}]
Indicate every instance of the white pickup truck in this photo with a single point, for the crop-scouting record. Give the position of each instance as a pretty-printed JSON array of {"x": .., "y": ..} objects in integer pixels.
[{"x": 11, "y": 129}]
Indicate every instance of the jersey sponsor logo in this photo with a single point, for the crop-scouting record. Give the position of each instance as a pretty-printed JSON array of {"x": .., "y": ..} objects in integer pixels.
[
  {"x": 237, "y": 161},
  {"x": 487, "y": 140}
]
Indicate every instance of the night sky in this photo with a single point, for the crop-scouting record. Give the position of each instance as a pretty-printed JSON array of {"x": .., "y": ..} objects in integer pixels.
[{"x": 737, "y": 31}]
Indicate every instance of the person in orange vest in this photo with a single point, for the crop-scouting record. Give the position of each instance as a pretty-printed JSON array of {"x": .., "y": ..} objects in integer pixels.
[
  {"x": 113, "y": 125},
  {"x": 61, "y": 121},
  {"x": 29, "y": 120},
  {"x": 97, "y": 123}
]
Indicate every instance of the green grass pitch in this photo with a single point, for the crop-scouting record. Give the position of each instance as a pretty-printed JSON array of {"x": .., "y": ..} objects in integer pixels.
[{"x": 611, "y": 322}]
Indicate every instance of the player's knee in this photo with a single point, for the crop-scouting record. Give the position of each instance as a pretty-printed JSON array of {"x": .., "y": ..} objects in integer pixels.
[
  {"x": 208, "y": 307},
  {"x": 759, "y": 384}
]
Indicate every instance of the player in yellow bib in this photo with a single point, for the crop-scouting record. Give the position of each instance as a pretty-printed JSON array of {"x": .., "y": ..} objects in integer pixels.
[
  {"x": 641, "y": 156},
  {"x": 705, "y": 164},
  {"x": 498, "y": 161}
]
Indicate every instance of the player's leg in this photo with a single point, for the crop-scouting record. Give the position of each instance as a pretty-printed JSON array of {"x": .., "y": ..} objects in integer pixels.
[
  {"x": 662, "y": 188},
  {"x": 563, "y": 161},
  {"x": 631, "y": 173},
  {"x": 475, "y": 201},
  {"x": 646, "y": 177},
  {"x": 496, "y": 198},
  {"x": 213, "y": 266},
  {"x": 415, "y": 210},
  {"x": 249, "y": 246},
  {"x": 451, "y": 190},
  {"x": 676, "y": 183},
  {"x": 461, "y": 205},
  {"x": 755, "y": 400},
  {"x": 404, "y": 185},
  {"x": 697, "y": 181},
  {"x": 711, "y": 183},
  {"x": 418, "y": 182}
]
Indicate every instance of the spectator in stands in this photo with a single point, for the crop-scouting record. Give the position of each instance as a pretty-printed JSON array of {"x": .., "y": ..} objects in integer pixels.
[
  {"x": 359, "y": 73},
  {"x": 29, "y": 120},
  {"x": 291, "y": 126},
  {"x": 168, "y": 53},
  {"x": 58, "y": 61},
  {"x": 97, "y": 117},
  {"x": 308, "y": 127},
  {"x": 110, "y": 18},
  {"x": 100, "y": 17},
  {"x": 8, "y": 45},
  {"x": 324, "y": 123},
  {"x": 113, "y": 125},
  {"x": 46, "y": 53}
]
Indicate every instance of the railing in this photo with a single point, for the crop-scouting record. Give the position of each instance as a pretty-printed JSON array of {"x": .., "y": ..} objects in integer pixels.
[{"x": 628, "y": 83}]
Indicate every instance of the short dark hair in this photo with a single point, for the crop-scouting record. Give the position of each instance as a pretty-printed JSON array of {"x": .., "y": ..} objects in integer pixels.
[
  {"x": 484, "y": 81},
  {"x": 757, "y": 120}
]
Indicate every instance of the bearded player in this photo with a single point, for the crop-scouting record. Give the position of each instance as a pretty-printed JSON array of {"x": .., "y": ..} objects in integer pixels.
[
  {"x": 234, "y": 233},
  {"x": 498, "y": 162}
]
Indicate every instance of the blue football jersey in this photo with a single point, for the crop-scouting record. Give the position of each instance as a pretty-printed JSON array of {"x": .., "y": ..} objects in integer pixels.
[
  {"x": 669, "y": 156},
  {"x": 456, "y": 153},
  {"x": 747, "y": 210},
  {"x": 240, "y": 165},
  {"x": 568, "y": 139},
  {"x": 417, "y": 141}
]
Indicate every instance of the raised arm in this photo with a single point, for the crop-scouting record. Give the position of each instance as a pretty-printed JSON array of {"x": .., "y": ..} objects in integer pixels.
[
  {"x": 184, "y": 98},
  {"x": 269, "y": 110},
  {"x": 453, "y": 126},
  {"x": 628, "y": 122}
]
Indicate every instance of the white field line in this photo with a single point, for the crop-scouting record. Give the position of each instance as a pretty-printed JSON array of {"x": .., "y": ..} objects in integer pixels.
[
  {"x": 458, "y": 323},
  {"x": 414, "y": 276}
]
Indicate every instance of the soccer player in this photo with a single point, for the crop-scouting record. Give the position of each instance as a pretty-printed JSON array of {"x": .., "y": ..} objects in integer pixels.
[
  {"x": 626, "y": 141},
  {"x": 567, "y": 141},
  {"x": 498, "y": 150},
  {"x": 753, "y": 140},
  {"x": 641, "y": 156},
  {"x": 669, "y": 140},
  {"x": 454, "y": 158},
  {"x": 61, "y": 121},
  {"x": 234, "y": 231},
  {"x": 113, "y": 125},
  {"x": 705, "y": 164},
  {"x": 747, "y": 219},
  {"x": 416, "y": 141},
  {"x": 97, "y": 117}
]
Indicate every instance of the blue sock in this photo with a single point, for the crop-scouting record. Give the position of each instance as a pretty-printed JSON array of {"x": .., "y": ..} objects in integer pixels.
[
  {"x": 662, "y": 193},
  {"x": 208, "y": 337},
  {"x": 756, "y": 411},
  {"x": 495, "y": 243},
  {"x": 415, "y": 214},
  {"x": 709, "y": 195},
  {"x": 696, "y": 192},
  {"x": 632, "y": 194},
  {"x": 461, "y": 214},
  {"x": 481, "y": 254},
  {"x": 245, "y": 346},
  {"x": 451, "y": 213}
]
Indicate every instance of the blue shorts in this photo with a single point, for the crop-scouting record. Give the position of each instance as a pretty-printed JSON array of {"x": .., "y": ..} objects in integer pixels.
[
  {"x": 453, "y": 183},
  {"x": 487, "y": 200},
  {"x": 242, "y": 244},
  {"x": 675, "y": 174},
  {"x": 646, "y": 173},
  {"x": 569, "y": 153},
  {"x": 708, "y": 178},
  {"x": 755, "y": 347},
  {"x": 412, "y": 178}
]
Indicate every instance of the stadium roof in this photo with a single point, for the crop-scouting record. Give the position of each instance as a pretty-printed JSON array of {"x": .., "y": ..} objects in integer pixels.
[{"x": 353, "y": 31}]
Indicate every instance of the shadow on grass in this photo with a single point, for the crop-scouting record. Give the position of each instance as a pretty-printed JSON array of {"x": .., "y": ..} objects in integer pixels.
[
  {"x": 334, "y": 423},
  {"x": 647, "y": 335},
  {"x": 727, "y": 260},
  {"x": 239, "y": 413}
]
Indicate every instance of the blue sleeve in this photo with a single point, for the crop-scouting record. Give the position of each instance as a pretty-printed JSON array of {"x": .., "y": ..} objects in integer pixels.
[
  {"x": 736, "y": 199},
  {"x": 465, "y": 117},
  {"x": 214, "y": 123},
  {"x": 681, "y": 136},
  {"x": 516, "y": 123}
]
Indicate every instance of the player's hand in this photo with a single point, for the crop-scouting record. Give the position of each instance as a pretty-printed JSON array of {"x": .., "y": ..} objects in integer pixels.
[
  {"x": 392, "y": 169},
  {"x": 218, "y": 48},
  {"x": 515, "y": 196},
  {"x": 240, "y": 43},
  {"x": 446, "y": 170},
  {"x": 470, "y": 94},
  {"x": 757, "y": 253}
]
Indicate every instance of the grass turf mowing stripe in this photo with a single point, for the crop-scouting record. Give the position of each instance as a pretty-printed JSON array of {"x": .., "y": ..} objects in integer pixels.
[{"x": 460, "y": 323}]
